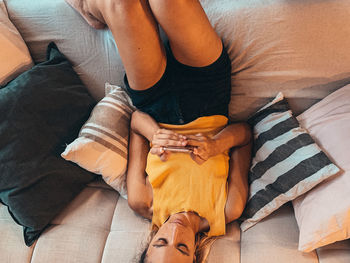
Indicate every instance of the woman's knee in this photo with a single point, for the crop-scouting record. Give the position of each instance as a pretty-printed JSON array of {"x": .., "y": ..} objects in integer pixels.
[
  {"x": 122, "y": 8},
  {"x": 168, "y": 5}
]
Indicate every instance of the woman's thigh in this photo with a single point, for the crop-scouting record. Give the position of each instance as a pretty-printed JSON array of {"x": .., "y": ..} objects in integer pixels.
[
  {"x": 136, "y": 34},
  {"x": 193, "y": 40}
]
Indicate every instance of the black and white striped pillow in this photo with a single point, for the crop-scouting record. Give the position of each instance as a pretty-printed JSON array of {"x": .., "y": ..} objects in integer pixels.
[{"x": 286, "y": 161}]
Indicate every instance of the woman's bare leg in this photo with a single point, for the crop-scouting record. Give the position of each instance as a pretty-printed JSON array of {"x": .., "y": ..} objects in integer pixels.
[
  {"x": 134, "y": 27},
  {"x": 136, "y": 34},
  {"x": 193, "y": 40},
  {"x": 237, "y": 182}
]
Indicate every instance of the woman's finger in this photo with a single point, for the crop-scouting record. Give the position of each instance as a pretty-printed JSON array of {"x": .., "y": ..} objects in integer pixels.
[
  {"x": 168, "y": 136},
  {"x": 165, "y": 156},
  {"x": 165, "y": 131},
  {"x": 157, "y": 150},
  {"x": 192, "y": 142},
  {"x": 163, "y": 134},
  {"x": 196, "y": 137},
  {"x": 197, "y": 159},
  {"x": 168, "y": 142}
]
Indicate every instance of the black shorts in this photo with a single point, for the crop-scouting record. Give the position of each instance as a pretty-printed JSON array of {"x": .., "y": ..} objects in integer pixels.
[{"x": 185, "y": 93}]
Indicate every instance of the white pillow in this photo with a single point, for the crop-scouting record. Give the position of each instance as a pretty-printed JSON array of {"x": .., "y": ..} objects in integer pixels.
[
  {"x": 102, "y": 145},
  {"x": 14, "y": 54},
  {"x": 323, "y": 214}
]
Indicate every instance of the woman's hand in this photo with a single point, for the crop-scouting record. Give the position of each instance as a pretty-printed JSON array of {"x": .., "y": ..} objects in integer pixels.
[
  {"x": 164, "y": 138},
  {"x": 204, "y": 147}
]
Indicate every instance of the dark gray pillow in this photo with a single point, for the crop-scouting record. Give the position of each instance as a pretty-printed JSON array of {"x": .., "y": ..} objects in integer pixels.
[{"x": 41, "y": 111}]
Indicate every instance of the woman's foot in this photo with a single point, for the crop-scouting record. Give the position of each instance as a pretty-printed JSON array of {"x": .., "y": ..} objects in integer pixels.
[{"x": 89, "y": 10}]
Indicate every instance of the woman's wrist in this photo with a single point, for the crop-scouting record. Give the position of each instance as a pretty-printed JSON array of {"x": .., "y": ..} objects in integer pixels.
[
  {"x": 144, "y": 124},
  {"x": 234, "y": 135},
  {"x": 218, "y": 146}
]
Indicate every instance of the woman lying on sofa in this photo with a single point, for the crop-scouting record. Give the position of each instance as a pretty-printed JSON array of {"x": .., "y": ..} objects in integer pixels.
[{"x": 182, "y": 91}]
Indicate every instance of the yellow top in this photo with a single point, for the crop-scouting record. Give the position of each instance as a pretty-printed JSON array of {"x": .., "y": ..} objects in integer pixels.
[{"x": 182, "y": 185}]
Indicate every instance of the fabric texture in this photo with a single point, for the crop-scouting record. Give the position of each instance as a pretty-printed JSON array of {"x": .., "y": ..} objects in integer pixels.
[
  {"x": 275, "y": 239},
  {"x": 14, "y": 54},
  {"x": 185, "y": 93},
  {"x": 323, "y": 214},
  {"x": 180, "y": 184},
  {"x": 98, "y": 226},
  {"x": 286, "y": 161},
  {"x": 41, "y": 110},
  {"x": 102, "y": 144}
]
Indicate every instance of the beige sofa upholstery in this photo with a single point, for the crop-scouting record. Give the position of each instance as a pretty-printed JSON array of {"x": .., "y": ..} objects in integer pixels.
[{"x": 98, "y": 225}]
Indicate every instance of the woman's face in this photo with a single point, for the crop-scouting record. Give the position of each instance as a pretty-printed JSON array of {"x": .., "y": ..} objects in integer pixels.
[{"x": 174, "y": 242}]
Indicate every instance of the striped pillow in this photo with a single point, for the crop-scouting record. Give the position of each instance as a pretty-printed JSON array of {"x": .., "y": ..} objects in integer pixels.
[
  {"x": 102, "y": 145},
  {"x": 286, "y": 162}
]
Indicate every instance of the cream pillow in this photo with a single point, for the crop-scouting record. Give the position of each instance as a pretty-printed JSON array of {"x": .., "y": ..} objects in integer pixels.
[
  {"x": 14, "y": 54},
  {"x": 323, "y": 214},
  {"x": 102, "y": 145}
]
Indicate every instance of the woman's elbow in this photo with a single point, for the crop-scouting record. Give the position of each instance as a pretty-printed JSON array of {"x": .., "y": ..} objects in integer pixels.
[
  {"x": 233, "y": 213},
  {"x": 140, "y": 207},
  {"x": 247, "y": 131}
]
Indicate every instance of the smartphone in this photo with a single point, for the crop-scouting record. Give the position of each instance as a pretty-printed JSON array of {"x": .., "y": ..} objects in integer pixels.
[{"x": 178, "y": 149}]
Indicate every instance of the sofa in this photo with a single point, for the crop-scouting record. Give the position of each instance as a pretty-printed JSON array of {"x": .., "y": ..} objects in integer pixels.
[{"x": 300, "y": 48}]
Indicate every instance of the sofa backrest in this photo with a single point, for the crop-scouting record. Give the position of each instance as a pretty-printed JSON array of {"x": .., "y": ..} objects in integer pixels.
[{"x": 298, "y": 47}]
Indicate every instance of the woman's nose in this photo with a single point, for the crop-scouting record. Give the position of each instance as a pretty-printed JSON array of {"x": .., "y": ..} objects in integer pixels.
[{"x": 175, "y": 232}]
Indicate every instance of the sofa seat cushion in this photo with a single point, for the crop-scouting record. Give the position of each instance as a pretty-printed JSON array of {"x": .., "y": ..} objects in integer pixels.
[
  {"x": 12, "y": 247},
  {"x": 275, "y": 239},
  {"x": 338, "y": 252},
  {"x": 98, "y": 226}
]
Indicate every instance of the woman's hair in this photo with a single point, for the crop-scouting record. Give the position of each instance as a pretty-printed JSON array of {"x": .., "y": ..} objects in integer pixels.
[
  {"x": 143, "y": 257},
  {"x": 202, "y": 247}
]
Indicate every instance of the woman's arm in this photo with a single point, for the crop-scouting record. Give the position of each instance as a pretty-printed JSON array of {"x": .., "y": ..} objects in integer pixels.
[
  {"x": 237, "y": 182},
  {"x": 238, "y": 137},
  {"x": 233, "y": 135},
  {"x": 143, "y": 124},
  {"x": 143, "y": 128},
  {"x": 140, "y": 194}
]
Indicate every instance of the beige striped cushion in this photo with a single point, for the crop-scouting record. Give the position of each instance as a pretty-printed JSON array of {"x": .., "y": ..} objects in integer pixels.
[{"x": 102, "y": 145}]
